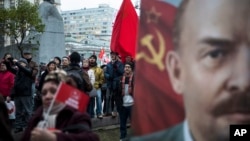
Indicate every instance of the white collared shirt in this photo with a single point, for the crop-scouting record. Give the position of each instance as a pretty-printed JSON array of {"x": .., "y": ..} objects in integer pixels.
[{"x": 186, "y": 132}]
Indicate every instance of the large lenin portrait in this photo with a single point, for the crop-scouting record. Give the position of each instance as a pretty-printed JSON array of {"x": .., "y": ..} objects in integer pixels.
[{"x": 192, "y": 72}]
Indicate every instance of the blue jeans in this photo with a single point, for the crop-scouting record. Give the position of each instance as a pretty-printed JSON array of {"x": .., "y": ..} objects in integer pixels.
[
  {"x": 124, "y": 114},
  {"x": 98, "y": 102},
  {"x": 91, "y": 106}
]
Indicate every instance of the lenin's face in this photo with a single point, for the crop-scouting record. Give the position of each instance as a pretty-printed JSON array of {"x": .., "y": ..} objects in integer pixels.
[{"x": 212, "y": 67}]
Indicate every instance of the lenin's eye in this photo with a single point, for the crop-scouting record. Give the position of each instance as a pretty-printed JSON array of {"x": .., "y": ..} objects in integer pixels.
[{"x": 218, "y": 53}]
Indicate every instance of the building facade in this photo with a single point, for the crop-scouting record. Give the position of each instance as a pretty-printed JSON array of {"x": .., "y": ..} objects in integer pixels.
[{"x": 88, "y": 30}]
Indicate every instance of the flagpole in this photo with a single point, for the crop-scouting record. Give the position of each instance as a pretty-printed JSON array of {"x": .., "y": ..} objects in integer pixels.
[{"x": 51, "y": 105}]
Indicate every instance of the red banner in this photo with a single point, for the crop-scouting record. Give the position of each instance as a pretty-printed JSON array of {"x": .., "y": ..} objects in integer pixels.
[
  {"x": 157, "y": 106},
  {"x": 100, "y": 56},
  {"x": 72, "y": 97},
  {"x": 124, "y": 32}
]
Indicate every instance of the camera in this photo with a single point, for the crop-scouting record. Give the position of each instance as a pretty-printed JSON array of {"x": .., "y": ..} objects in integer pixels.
[{"x": 10, "y": 59}]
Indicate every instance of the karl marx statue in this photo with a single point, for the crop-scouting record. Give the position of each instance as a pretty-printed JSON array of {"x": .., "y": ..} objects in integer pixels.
[{"x": 52, "y": 40}]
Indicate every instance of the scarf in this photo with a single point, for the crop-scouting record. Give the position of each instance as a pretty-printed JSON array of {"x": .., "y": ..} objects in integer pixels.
[
  {"x": 50, "y": 122},
  {"x": 85, "y": 69},
  {"x": 130, "y": 89}
]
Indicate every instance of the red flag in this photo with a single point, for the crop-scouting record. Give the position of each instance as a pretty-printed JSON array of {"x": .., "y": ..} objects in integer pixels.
[
  {"x": 72, "y": 97},
  {"x": 101, "y": 53},
  {"x": 157, "y": 106},
  {"x": 124, "y": 32}
]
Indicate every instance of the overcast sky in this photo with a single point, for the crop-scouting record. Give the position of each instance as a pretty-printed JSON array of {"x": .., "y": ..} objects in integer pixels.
[{"x": 79, "y": 4}]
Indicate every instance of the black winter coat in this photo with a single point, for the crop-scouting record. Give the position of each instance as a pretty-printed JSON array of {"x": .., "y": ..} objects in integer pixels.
[{"x": 23, "y": 82}]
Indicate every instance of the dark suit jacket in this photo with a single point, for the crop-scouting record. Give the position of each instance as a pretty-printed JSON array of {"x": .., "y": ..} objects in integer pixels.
[{"x": 173, "y": 134}]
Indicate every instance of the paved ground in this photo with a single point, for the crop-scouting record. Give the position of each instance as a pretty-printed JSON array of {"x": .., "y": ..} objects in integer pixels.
[{"x": 109, "y": 134}]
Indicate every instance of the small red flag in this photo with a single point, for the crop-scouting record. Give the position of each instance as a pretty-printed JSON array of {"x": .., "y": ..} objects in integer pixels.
[
  {"x": 124, "y": 34},
  {"x": 101, "y": 53},
  {"x": 72, "y": 97}
]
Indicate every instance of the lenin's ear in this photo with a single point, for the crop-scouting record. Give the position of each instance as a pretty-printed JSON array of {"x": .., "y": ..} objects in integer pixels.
[{"x": 174, "y": 71}]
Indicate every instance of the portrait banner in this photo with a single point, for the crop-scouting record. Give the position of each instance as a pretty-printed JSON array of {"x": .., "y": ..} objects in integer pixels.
[{"x": 157, "y": 106}]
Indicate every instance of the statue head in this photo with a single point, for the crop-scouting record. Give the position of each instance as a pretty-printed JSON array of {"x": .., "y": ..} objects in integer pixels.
[{"x": 50, "y": 1}]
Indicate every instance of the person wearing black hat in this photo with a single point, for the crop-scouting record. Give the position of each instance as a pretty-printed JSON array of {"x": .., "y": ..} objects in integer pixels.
[
  {"x": 32, "y": 64},
  {"x": 34, "y": 69},
  {"x": 113, "y": 73},
  {"x": 22, "y": 94},
  {"x": 76, "y": 72}
]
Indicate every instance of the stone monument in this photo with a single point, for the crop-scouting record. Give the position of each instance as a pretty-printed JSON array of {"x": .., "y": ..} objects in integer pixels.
[{"x": 52, "y": 40}]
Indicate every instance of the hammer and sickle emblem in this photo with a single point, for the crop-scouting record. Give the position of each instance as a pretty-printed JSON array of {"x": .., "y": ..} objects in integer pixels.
[{"x": 157, "y": 57}]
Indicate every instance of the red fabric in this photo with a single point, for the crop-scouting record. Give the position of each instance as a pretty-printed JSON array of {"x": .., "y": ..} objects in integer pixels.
[
  {"x": 72, "y": 97},
  {"x": 157, "y": 106},
  {"x": 101, "y": 53},
  {"x": 6, "y": 82},
  {"x": 124, "y": 34}
]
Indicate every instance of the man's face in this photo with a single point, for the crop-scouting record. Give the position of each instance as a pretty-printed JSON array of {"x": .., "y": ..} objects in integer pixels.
[
  {"x": 212, "y": 67},
  {"x": 7, "y": 56},
  {"x": 92, "y": 60},
  {"x": 127, "y": 69},
  {"x": 65, "y": 61},
  {"x": 113, "y": 56},
  {"x": 27, "y": 56},
  {"x": 85, "y": 63},
  {"x": 3, "y": 67},
  {"x": 128, "y": 59}
]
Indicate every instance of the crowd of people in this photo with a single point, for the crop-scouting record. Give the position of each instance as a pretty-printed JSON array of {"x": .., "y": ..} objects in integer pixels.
[
  {"x": 27, "y": 89},
  {"x": 209, "y": 66}
]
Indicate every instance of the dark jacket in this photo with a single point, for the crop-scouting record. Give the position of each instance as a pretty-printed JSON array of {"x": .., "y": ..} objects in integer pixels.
[
  {"x": 34, "y": 68},
  {"x": 23, "y": 82},
  {"x": 113, "y": 73},
  {"x": 83, "y": 81},
  {"x": 66, "y": 118},
  {"x": 173, "y": 134},
  {"x": 41, "y": 81}
]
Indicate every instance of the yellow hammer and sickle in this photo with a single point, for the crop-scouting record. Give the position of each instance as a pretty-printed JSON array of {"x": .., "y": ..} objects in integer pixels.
[{"x": 157, "y": 57}]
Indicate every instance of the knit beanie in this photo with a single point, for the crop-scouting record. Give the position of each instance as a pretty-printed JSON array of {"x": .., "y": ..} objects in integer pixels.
[
  {"x": 93, "y": 56},
  {"x": 75, "y": 57},
  {"x": 23, "y": 60}
]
